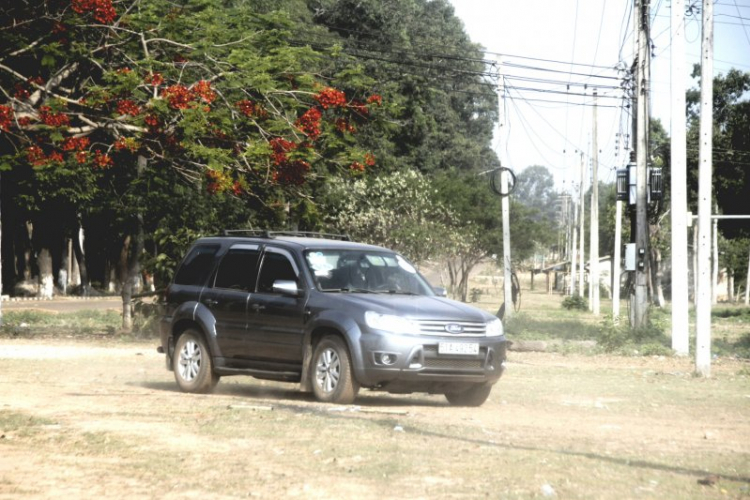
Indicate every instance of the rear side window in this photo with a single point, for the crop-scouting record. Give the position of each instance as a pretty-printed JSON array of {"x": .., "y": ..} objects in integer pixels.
[
  {"x": 238, "y": 269},
  {"x": 197, "y": 265}
]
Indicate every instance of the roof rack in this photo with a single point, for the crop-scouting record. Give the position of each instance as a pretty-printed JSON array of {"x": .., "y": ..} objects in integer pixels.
[{"x": 264, "y": 233}]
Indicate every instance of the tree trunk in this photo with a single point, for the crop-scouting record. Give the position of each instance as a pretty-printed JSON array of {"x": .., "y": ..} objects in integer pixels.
[
  {"x": 62, "y": 274},
  {"x": 133, "y": 268},
  {"x": 120, "y": 277},
  {"x": 658, "y": 274},
  {"x": 81, "y": 260},
  {"x": 46, "y": 279}
]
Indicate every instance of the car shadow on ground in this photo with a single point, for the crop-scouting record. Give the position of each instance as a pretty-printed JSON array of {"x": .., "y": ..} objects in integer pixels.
[{"x": 252, "y": 391}]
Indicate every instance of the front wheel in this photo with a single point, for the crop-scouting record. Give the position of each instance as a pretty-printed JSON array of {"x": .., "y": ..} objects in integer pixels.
[
  {"x": 192, "y": 365},
  {"x": 332, "y": 378},
  {"x": 473, "y": 396}
]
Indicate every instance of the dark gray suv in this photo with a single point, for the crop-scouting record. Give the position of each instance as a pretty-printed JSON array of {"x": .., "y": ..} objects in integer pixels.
[{"x": 330, "y": 314}]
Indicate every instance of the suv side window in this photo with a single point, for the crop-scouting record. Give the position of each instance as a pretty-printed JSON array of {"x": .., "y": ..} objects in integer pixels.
[
  {"x": 197, "y": 266},
  {"x": 276, "y": 266},
  {"x": 238, "y": 270}
]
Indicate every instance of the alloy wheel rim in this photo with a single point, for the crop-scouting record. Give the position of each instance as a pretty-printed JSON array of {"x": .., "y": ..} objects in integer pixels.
[
  {"x": 328, "y": 370},
  {"x": 190, "y": 361}
]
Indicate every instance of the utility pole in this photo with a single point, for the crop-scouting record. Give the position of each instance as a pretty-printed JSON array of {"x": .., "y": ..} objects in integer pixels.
[
  {"x": 505, "y": 209},
  {"x": 616, "y": 262},
  {"x": 680, "y": 295},
  {"x": 617, "y": 253},
  {"x": 581, "y": 202},
  {"x": 574, "y": 252},
  {"x": 715, "y": 262},
  {"x": 703, "y": 306},
  {"x": 747, "y": 283},
  {"x": 640, "y": 305},
  {"x": 594, "y": 238},
  {"x": 507, "y": 283}
]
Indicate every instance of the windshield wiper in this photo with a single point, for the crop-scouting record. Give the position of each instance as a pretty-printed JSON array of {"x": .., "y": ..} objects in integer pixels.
[{"x": 348, "y": 290}]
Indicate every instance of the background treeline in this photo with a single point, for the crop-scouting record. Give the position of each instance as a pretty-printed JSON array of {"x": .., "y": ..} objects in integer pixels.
[{"x": 129, "y": 128}]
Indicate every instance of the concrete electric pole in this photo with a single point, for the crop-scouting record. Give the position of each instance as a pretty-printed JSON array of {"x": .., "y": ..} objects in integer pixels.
[
  {"x": 581, "y": 232},
  {"x": 703, "y": 305},
  {"x": 640, "y": 305},
  {"x": 594, "y": 237},
  {"x": 680, "y": 286}
]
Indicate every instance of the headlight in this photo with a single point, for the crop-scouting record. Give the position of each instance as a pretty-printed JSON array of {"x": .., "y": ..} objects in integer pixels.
[
  {"x": 390, "y": 323},
  {"x": 494, "y": 328}
]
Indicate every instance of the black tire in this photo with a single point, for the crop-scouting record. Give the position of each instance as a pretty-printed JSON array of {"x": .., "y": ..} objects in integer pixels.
[
  {"x": 192, "y": 364},
  {"x": 473, "y": 396},
  {"x": 331, "y": 372}
]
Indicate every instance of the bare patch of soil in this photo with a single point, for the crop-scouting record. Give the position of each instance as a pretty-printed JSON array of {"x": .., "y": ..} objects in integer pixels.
[{"x": 90, "y": 419}]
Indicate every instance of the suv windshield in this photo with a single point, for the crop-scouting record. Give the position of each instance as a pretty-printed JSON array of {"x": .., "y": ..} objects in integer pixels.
[{"x": 337, "y": 270}]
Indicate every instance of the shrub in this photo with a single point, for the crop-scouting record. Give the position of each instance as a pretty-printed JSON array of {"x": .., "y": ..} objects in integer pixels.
[{"x": 575, "y": 302}]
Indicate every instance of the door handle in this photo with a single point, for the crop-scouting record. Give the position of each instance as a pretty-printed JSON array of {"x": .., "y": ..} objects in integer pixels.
[
  {"x": 257, "y": 307},
  {"x": 211, "y": 302}
]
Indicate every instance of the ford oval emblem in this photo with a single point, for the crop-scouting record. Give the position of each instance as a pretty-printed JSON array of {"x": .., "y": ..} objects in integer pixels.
[{"x": 454, "y": 328}]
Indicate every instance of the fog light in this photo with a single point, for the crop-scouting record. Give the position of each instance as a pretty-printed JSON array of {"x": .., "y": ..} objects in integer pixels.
[{"x": 384, "y": 358}]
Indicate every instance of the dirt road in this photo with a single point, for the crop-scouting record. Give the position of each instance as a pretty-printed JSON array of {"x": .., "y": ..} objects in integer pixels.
[{"x": 103, "y": 419}]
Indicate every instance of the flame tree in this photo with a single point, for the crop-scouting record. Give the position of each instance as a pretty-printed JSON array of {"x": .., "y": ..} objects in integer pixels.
[{"x": 103, "y": 104}]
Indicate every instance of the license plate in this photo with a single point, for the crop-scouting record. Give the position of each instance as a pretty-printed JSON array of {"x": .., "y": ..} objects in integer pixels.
[{"x": 469, "y": 348}]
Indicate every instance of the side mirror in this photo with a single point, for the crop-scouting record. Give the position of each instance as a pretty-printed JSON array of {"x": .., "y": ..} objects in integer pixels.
[
  {"x": 440, "y": 291},
  {"x": 286, "y": 287}
]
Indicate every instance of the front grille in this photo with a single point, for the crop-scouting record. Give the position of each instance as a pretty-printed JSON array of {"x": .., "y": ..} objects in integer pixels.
[{"x": 468, "y": 328}]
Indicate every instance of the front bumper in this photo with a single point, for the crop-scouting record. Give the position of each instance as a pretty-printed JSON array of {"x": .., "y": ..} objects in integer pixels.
[{"x": 412, "y": 363}]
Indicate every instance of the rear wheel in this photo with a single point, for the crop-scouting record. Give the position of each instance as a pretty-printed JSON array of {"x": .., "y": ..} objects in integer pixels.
[
  {"x": 332, "y": 378},
  {"x": 473, "y": 396},
  {"x": 192, "y": 365}
]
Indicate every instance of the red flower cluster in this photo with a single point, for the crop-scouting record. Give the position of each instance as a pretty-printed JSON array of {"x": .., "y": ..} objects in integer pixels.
[
  {"x": 179, "y": 96},
  {"x": 203, "y": 90},
  {"x": 82, "y": 156},
  {"x": 128, "y": 107},
  {"x": 357, "y": 167},
  {"x": 154, "y": 79},
  {"x": 35, "y": 155},
  {"x": 331, "y": 98},
  {"x": 103, "y": 10},
  {"x": 6, "y": 117},
  {"x": 21, "y": 93},
  {"x": 102, "y": 160},
  {"x": 76, "y": 143},
  {"x": 250, "y": 109},
  {"x": 369, "y": 159},
  {"x": 309, "y": 123},
  {"x": 128, "y": 143},
  {"x": 55, "y": 156},
  {"x": 53, "y": 119},
  {"x": 375, "y": 99},
  {"x": 152, "y": 121},
  {"x": 280, "y": 148}
]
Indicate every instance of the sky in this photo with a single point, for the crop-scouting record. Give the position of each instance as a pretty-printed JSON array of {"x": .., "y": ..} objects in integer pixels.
[{"x": 556, "y": 45}]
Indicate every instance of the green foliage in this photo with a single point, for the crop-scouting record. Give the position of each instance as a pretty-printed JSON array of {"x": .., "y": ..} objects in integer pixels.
[
  {"x": 397, "y": 210},
  {"x": 646, "y": 340},
  {"x": 575, "y": 302}
]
